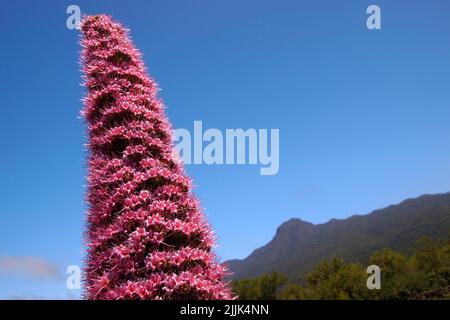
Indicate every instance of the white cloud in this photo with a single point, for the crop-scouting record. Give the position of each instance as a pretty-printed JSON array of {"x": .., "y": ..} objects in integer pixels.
[{"x": 35, "y": 267}]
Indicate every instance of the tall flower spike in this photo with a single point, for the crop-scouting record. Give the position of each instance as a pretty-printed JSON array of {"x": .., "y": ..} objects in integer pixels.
[{"x": 146, "y": 235}]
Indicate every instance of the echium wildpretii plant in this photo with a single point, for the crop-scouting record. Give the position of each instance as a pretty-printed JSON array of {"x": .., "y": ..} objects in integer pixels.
[{"x": 146, "y": 235}]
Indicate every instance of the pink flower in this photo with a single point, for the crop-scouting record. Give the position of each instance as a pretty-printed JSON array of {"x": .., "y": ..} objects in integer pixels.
[
  {"x": 138, "y": 194},
  {"x": 103, "y": 282},
  {"x": 144, "y": 195},
  {"x": 122, "y": 251}
]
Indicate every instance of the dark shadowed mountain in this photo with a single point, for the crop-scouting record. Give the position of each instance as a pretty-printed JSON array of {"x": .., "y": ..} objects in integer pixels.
[{"x": 298, "y": 245}]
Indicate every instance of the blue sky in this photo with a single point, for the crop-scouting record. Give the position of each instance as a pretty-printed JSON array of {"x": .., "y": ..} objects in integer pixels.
[{"x": 363, "y": 115}]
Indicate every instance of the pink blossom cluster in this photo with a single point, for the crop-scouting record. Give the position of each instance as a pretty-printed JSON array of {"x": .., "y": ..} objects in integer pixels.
[{"x": 146, "y": 235}]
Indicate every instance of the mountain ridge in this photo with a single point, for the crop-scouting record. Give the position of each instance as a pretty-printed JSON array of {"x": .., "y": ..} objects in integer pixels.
[{"x": 298, "y": 245}]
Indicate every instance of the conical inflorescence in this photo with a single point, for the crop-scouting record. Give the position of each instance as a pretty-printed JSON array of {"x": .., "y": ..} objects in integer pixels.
[{"x": 146, "y": 235}]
